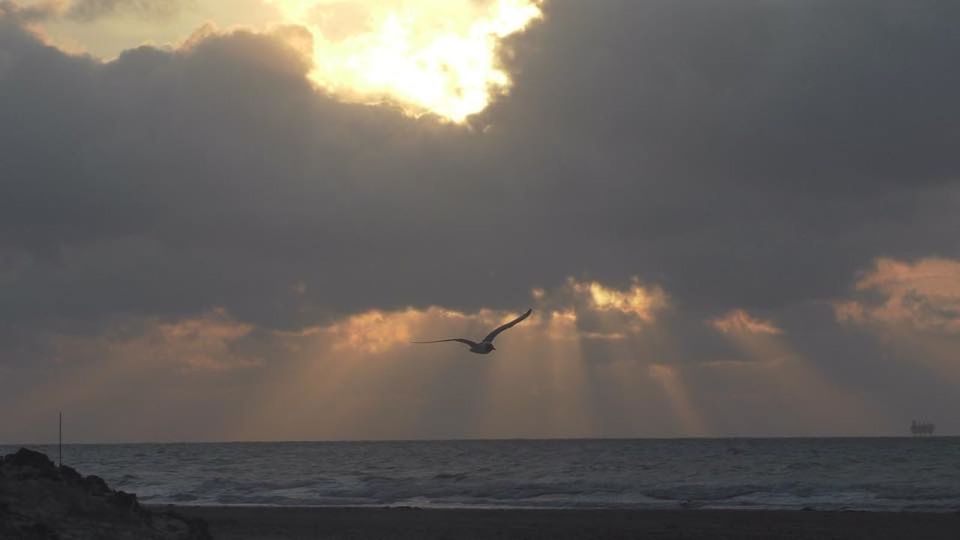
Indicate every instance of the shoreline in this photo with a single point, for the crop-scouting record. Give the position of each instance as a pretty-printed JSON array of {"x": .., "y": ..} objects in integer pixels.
[{"x": 287, "y": 522}]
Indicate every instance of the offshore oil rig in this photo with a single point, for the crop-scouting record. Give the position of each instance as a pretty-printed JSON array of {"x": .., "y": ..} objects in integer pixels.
[{"x": 922, "y": 428}]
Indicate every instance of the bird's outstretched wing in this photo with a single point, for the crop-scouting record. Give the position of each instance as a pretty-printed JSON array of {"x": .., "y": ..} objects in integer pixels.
[
  {"x": 492, "y": 335},
  {"x": 461, "y": 340}
]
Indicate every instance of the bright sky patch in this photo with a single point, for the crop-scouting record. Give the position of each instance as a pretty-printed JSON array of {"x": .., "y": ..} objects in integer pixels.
[{"x": 438, "y": 56}]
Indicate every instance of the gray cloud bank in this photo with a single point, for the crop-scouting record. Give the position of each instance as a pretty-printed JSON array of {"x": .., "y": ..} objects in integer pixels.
[
  {"x": 739, "y": 154},
  {"x": 90, "y": 10},
  {"x": 86, "y": 10}
]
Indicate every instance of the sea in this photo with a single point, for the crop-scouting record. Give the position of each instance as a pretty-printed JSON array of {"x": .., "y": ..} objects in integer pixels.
[{"x": 873, "y": 474}]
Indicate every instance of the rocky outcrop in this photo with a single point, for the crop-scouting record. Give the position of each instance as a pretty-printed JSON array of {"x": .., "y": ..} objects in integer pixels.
[{"x": 39, "y": 500}]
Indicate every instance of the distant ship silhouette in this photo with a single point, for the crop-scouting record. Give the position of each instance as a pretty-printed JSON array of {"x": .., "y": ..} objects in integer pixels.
[{"x": 922, "y": 428}]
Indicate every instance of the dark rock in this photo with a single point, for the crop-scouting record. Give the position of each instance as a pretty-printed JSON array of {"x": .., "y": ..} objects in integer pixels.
[
  {"x": 96, "y": 486},
  {"x": 29, "y": 464},
  {"x": 41, "y": 530},
  {"x": 28, "y": 458},
  {"x": 70, "y": 475},
  {"x": 39, "y": 500},
  {"x": 125, "y": 501},
  {"x": 18, "y": 526}
]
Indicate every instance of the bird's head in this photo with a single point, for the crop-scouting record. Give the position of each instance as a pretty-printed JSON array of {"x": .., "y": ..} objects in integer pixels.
[{"x": 492, "y": 348}]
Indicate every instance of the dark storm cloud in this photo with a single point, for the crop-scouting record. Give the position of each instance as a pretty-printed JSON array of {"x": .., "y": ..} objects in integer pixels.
[
  {"x": 219, "y": 173},
  {"x": 766, "y": 150},
  {"x": 739, "y": 154}
]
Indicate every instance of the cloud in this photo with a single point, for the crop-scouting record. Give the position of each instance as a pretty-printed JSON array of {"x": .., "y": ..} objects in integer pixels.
[
  {"x": 638, "y": 301},
  {"x": 567, "y": 313},
  {"x": 281, "y": 184},
  {"x": 12, "y": 10},
  {"x": 563, "y": 372},
  {"x": 206, "y": 343},
  {"x": 680, "y": 160},
  {"x": 425, "y": 56},
  {"x": 911, "y": 311},
  {"x": 357, "y": 376},
  {"x": 375, "y": 331},
  {"x": 87, "y": 11},
  {"x": 923, "y": 295},
  {"x": 739, "y": 321}
]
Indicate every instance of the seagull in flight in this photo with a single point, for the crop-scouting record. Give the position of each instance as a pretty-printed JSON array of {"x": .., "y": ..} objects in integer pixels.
[{"x": 485, "y": 346}]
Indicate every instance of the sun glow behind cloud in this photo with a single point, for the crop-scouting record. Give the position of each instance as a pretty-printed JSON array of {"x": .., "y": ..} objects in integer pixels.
[
  {"x": 739, "y": 321},
  {"x": 593, "y": 360},
  {"x": 913, "y": 307},
  {"x": 438, "y": 56},
  {"x": 638, "y": 300},
  {"x": 786, "y": 380},
  {"x": 423, "y": 56}
]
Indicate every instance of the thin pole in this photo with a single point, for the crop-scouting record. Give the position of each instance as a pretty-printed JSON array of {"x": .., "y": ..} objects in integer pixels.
[{"x": 60, "y": 440}]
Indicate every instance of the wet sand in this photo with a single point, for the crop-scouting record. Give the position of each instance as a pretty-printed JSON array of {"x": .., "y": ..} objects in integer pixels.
[{"x": 406, "y": 523}]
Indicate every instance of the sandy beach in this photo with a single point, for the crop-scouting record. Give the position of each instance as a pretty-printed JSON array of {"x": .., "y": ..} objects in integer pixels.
[{"x": 228, "y": 523}]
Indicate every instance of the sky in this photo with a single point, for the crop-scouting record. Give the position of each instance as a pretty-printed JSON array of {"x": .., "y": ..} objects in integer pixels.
[{"x": 227, "y": 220}]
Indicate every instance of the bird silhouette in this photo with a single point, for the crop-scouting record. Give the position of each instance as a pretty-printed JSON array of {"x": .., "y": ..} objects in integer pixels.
[{"x": 485, "y": 346}]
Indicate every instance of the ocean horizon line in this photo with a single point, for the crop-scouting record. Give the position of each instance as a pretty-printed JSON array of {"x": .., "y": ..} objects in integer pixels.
[{"x": 481, "y": 439}]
